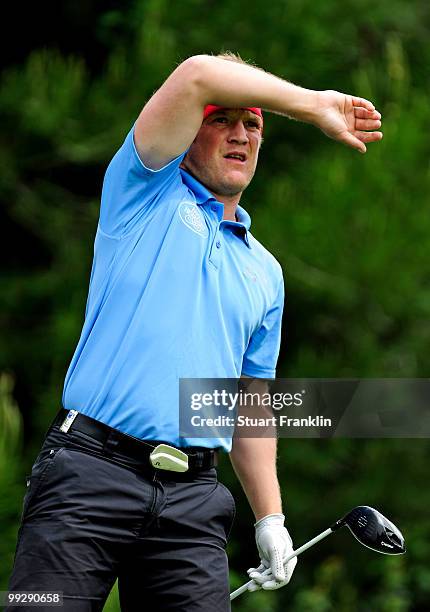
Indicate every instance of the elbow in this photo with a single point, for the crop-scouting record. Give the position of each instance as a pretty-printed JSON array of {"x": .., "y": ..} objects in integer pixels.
[{"x": 194, "y": 72}]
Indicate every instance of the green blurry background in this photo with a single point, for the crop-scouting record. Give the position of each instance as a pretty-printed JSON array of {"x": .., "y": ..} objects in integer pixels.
[{"x": 350, "y": 231}]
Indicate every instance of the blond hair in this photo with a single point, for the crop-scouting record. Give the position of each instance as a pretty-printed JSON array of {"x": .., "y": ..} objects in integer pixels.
[{"x": 230, "y": 56}]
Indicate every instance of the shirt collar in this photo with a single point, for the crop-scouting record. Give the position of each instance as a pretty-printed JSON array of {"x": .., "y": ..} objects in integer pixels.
[
  {"x": 243, "y": 217},
  {"x": 201, "y": 193},
  {"x": 203, "y": 196}
]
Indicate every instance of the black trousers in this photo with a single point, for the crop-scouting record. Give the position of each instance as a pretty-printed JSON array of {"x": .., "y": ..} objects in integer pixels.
[{"x": 89, "y": 518}]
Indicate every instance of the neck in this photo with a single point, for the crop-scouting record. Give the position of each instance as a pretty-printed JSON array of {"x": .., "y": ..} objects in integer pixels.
[
  {"x": 230, "y": 205},
  {"x": 230, "y": 202}
]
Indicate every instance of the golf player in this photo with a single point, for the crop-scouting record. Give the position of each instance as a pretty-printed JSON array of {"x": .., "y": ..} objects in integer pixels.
[{"x": 179, "y": 288}]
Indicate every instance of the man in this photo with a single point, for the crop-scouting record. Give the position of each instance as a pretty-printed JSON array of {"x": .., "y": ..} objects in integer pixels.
[{"x": 179, "y": 289}]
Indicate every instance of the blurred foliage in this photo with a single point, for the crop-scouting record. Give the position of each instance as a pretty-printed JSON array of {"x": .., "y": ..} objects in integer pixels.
[
  {"x": 11, "y": 478},
  {"x": 351, "y": 233}
]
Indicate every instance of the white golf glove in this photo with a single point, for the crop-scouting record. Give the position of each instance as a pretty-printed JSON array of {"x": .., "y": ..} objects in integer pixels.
[{"x": 274, "y": 544}]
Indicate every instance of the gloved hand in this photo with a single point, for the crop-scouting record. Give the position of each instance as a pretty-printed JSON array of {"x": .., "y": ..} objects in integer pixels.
[{"x": 274, "y": 544}]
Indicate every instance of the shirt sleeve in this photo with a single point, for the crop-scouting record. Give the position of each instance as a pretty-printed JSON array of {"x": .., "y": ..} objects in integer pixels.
[
  {"x": 262, "y": 353},
  {"x": 130, "y": 189}
]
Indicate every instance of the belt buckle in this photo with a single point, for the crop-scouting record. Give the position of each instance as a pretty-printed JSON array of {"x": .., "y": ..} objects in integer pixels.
[{"x": 165, "y": 457}]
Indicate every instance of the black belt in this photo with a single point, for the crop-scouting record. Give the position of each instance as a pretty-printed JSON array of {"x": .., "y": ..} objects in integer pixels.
[{"x": 199, "y": 458}]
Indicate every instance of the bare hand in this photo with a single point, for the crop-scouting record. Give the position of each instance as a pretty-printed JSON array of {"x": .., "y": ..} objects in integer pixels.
[{"x": 348, "y": 119}]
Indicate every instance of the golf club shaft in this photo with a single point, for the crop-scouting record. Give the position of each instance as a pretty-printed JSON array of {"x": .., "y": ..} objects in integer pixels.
[{"x": 314, "y": 540}]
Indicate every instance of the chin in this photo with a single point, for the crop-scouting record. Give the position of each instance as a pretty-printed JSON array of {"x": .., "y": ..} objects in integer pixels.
[
  {"x": 235, "y": 184},
  {"x": 231, "y": 189},
  {"x": 224, "y": 184}
]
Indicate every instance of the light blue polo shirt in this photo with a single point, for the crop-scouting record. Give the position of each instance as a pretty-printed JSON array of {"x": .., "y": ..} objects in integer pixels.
[{"x": 175, "y": 292}]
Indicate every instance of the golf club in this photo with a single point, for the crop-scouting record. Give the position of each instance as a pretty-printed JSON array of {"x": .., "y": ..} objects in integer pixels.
[{"x": 367, "y": 525}]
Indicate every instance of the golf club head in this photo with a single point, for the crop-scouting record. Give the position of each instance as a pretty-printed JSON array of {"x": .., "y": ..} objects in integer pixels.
[{"x": 372, "y": 529}]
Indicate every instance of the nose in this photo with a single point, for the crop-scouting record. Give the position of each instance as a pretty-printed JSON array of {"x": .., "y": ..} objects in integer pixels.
[{"x": 238, "y": 133}]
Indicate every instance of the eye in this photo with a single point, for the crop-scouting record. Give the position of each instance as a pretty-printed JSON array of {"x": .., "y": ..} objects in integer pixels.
[
  {"x": 220, "y": 120},
  {"x": 253, "y": 124}
]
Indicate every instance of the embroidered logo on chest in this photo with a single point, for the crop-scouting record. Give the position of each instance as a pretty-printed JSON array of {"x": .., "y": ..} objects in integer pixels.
[
  {"x": 257, "y": 278},
  {"x": 193, "y": 218},
  {"x": 249, "y": 273}
]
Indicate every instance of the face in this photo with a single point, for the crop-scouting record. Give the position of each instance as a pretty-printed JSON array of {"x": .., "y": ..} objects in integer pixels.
[{"x": 224, "y": 154}]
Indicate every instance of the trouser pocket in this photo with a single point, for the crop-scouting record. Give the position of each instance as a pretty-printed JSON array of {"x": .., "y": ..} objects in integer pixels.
[
  {"x": 229, "y": 508},
  {"x": 41, "y": 469}
]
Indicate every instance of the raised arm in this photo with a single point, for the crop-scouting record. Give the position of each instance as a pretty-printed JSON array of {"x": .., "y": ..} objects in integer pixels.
[{"x": 172, "y": 117}]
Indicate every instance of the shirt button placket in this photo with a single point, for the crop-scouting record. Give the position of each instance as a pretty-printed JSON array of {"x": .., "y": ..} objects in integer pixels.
[{"x": 216, "y": 249}]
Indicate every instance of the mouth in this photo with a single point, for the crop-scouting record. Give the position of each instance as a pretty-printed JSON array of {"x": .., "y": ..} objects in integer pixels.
[{"x": 236, "y": 156}]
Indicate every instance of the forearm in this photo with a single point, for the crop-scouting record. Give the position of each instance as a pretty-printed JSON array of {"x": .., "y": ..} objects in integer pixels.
[
  {"x": 233, "y": 84},
  {"x": 254, "y": 461}
]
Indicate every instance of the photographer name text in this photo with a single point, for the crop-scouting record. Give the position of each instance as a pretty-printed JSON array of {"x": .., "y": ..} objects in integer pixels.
[{"x": 272, "y": 421}]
